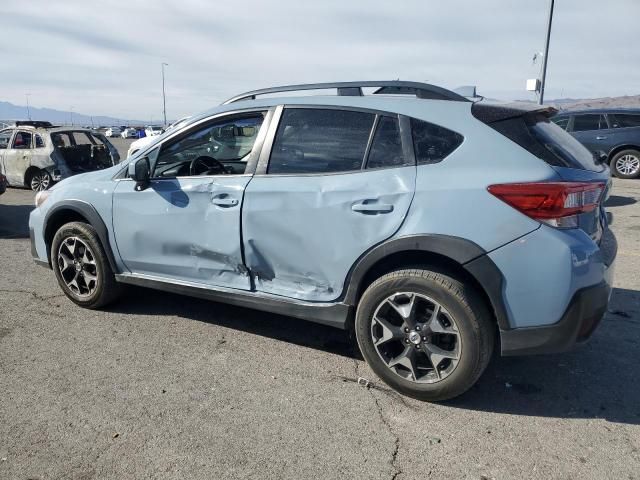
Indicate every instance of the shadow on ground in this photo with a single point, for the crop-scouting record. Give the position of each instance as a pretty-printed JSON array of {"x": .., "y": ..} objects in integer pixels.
[
  {"x": 14, "y": 221},
  {"x": 597, "y": 380},
  {"x": 619, "y": 201}
]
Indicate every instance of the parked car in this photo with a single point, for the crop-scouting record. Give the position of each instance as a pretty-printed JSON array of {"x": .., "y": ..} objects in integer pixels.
[
  {"x": 36, "y": 154},
  {"x": 152, "y": 130},
  {"x": 113, "y": 132},
  {"x": 129, "y": 132},
  {"x": 613, "y": 134},
  {"x": 434, "y": 228},
  {"x": 3, "y": 184},
  {"x": 144, "y": 141}
]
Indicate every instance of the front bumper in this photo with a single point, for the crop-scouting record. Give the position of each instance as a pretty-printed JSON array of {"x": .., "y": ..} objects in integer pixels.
[{"x": 581, "y": 318}]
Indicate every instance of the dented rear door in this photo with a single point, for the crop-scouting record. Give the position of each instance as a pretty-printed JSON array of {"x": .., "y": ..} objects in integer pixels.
[{"x": 317, "y": 207}]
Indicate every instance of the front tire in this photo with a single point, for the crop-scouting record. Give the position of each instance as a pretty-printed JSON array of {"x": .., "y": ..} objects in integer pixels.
[
  {"x": 626, "y": 164},
  {"x": 81, "y": 266},
  {"x": 424, "y": 333}
]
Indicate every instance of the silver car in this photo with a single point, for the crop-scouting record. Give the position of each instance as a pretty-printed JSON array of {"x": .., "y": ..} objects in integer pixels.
[{"x": 37, "y": 154}]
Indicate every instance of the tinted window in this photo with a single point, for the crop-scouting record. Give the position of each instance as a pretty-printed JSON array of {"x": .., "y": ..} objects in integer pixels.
[
  {"x": 623, "y": 120},
  {"x": 386, "y": 149},
  {"x": 320, "y": 141},
  {"x": 5, "y": 138},
  {"x": 432, "y": 143},
  {"x": 214, "y": 149},
  {"x": 39, "y": 142},
  {"x": 583, "y": 123},
  {"x": 562, "y": 122},
  {"x": 22, "y": 140}
]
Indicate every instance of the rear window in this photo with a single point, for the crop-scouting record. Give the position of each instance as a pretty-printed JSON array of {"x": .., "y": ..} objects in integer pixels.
[{"x": 547, "y": 141}]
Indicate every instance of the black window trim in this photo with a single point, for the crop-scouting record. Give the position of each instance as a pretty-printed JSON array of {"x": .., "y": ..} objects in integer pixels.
[{"x": 405, "y": 136}]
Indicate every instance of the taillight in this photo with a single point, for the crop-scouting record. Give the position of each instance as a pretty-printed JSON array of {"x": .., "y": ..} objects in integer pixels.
[{"x": 555, "y": 203}]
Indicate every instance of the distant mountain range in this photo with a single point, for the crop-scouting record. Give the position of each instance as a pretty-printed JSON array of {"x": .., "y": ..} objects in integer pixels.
[{"x": 11, "y": 112}]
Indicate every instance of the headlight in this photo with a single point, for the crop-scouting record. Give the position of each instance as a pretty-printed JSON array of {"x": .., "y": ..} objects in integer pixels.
[{"x": 41, "y": 197}]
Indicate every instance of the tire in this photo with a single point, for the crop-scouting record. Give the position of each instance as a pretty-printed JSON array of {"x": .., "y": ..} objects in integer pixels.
[
  {"x": 626, "y": 164},
  {"x": 39, "y": 180},
  {"x": 78, "y": 246},
  {"x": 463, "y": 326}
]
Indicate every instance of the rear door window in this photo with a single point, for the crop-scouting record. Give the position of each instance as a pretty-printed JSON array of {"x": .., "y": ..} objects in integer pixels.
[
  {"x": 386, "y": 148},
  {"x": 562, "y": 122},
  {"x": 39, "y": 141},
  {"x": 624, "y": 120},
  {"x": 583, "y": 123},
  {"x": 22, "y": 140},
  {"x": 61, "y": 139},
  {"x": 313, "y": 140},
  {"x": 82, "y": 138}
]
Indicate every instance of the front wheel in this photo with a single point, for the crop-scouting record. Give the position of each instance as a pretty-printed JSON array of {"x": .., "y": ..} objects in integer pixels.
[
  {"x": 81, "y": 266},
  {"x": 424, "y": 333},
  {"x": 626, "y": 164}
]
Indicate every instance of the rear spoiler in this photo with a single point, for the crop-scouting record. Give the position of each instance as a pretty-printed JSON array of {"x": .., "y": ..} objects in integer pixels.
[{"x": 489, "y": 113}]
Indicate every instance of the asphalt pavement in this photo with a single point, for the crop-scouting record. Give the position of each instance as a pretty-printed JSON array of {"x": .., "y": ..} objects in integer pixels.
[{"x": 164, "y": 386}]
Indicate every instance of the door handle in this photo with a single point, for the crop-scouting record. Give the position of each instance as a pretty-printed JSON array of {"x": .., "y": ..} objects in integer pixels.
[
  {"x": 224, "y": 200},
  {"x": 601, "y": 138},
  {"x": 365, "y": 207}
]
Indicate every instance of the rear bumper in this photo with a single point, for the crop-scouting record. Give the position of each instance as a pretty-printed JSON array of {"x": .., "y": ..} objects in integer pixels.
[{"x": 582, "y": 316}]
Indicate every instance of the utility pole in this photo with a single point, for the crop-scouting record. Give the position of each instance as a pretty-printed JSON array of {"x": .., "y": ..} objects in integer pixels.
[
  {"x": 71, "y": 112},
  {"x": 164, "y": 99},
  {"x": 546, "y": 54},
  {"x": 27, "y": 95}
]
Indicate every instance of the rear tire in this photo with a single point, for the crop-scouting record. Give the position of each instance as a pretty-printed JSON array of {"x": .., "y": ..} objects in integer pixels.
[
  {"x": 39, "y": 180},
  {"x": 81, "y": 266},
  {"x": 430, "y": 357},
  {"x": 626, "y": 164}
]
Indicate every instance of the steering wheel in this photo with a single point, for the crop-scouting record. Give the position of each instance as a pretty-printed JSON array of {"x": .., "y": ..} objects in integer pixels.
[{"x": 210, "y": 164}]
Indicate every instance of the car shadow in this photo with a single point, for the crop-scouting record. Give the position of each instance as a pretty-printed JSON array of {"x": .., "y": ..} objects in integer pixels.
[
  {"x": 596, "y": 380},
  {"x": 619, "y": 201},
  {"x": 14, "y": 221}
]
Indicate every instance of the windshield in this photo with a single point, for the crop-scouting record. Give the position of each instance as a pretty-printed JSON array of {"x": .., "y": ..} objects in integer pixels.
[{"x": 572, "y": 153}]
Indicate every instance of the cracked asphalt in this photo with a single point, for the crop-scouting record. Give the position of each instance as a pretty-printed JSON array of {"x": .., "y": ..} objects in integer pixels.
[{"x": 163, "y": 386}]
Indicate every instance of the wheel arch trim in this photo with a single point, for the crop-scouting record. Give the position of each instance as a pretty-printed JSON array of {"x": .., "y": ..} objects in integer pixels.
[
  {"x": 87, "y": 211},
  {"x": 472, "y": 258}
]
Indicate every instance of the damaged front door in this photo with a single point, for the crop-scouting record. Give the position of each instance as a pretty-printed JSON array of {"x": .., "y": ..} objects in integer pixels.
[
  {"x": 17, "y": 158},
  {"x": 338, "y": 183},
  {"x": 186, "y": 225}
]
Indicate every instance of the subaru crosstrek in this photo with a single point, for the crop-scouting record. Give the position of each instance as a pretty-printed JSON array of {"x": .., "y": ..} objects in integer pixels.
[{"x": 434, "y": 228}]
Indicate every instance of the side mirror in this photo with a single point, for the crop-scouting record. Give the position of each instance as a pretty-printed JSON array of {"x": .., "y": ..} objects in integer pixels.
[{"x": 140, "y": 171}]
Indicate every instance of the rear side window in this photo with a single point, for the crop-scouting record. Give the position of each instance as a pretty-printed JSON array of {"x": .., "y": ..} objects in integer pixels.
[
  {"x": 432, "y": 143},
  {"x": 82, "y": 138},
  {"x": 582, "y": 123},
  {"x": 386, "y": 148},
  {"x": 61, "y": 139},
  {"x": 39, "y": 141},
  {"x": 623, "y": 120},
  {"x": 311, "y": 140}
]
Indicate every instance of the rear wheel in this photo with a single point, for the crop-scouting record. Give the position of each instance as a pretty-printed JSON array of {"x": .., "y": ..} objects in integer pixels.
[
  {"x": 626, "y": 164},
  {"x": 81, "y": 266},
  {"x": 424, "y": 333},
  {"x": 39, "y": 180}
]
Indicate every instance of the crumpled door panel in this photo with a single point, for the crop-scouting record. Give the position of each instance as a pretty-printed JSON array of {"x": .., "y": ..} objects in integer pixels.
[{"x": 302, "y": 234}]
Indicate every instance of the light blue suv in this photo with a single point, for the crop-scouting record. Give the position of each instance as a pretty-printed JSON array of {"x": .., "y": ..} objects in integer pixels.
[{"x": 434, "y": 228}]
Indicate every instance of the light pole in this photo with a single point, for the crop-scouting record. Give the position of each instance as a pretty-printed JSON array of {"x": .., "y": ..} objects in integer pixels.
[
  {"x": 71, "y": 112},
  {"x": 27, "y": 95},
  {"x": 164, "y": 100},
  {"x": 546, "y": 54}
]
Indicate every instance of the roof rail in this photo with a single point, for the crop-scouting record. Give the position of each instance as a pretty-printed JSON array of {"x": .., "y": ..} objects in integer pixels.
[
  {"x": 420, "y": 90},
  {"x": 33, "y": 123}
]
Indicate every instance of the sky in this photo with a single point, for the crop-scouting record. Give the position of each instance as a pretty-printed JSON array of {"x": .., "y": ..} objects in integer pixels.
[{"x": 104, "y": 58}]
